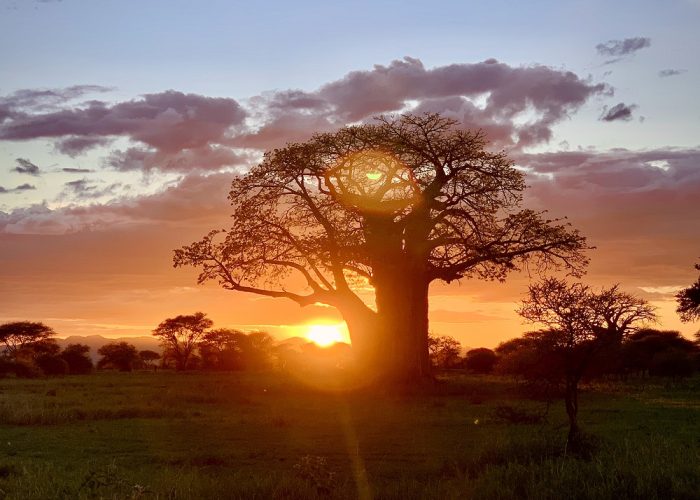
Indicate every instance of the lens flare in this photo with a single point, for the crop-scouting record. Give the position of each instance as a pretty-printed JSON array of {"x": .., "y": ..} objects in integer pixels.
[{"x": 373, "y": 181}]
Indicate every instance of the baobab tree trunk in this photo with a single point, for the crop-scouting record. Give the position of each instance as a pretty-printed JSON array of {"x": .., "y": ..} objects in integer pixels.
[
  {"x": 401, "y": 294},
  {"x": 365, "y": 335},
  {"x": 402, "y": 313}
]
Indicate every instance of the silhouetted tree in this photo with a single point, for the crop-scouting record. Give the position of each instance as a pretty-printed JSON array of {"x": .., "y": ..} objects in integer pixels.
[
  {"x": 78, "y": 359},
  {"x": 256, "y": 350},
  {"x": 533, "y": 357},
  {"x": 512, "y": 345},
  {"x": 119, "y": 355},
  {"x": 580, "y": 324},
  {"x": 52, "y": 365},
  {"x": 481, "y": 360},
  {"x": 16, "y": 336},
  {"x": 444, "y": 351},
  {"x": 689, "y": 301},
  {"x": 148, "y": 357},
  {"x": 179, "y": 336},
  {"x": 397, "y": 205},
  {"x": 44, "y": 354},
  {"x": 661, "y": 353},
  {"x": 222, "y": 349}
]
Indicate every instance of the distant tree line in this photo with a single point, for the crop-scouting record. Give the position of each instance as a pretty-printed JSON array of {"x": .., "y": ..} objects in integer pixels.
[
  {"x": 586, "y": 334},
  {"x": 188, "y": 342},
  {"x": 28, "y": 350},
  {"x": 648, "y": 352}
]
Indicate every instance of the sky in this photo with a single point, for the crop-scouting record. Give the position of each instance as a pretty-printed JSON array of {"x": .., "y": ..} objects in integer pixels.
[{"x": 123, "y": 123}]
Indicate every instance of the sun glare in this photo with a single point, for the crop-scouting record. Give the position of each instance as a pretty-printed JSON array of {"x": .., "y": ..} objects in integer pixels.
[{"x": 325, "y": 335}]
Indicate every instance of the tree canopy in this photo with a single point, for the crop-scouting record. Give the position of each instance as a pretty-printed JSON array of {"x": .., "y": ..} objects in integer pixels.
[
  {"x": 444, "y": 351},
  {"x": 394, "y": 205},
  {"x": 689, "y": 301},
  {"x": 120, "y": 355},
  {"x": 19, "y": 334},
  {"x": 179, "y": 336}
]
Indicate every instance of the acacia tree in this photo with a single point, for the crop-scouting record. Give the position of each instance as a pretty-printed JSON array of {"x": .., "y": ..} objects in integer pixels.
[
  {"x": 20, "y": 334},
  {"x": 179, "y": 336},
  {"x": 395, "y": 205},
  {"x": 580, "y": 323},
  {"x": 221, "y": 349},
  {"x": 120, "y": 355},
  {"x": 148, "y": 358},
  {"x": 77, "y": 356},
  {"x": 444, "y": 351},
  {"x": 689, "y": 301}
]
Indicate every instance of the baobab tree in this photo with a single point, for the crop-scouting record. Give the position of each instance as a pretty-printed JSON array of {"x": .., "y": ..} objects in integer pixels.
[{"x": 395, "y": 205}]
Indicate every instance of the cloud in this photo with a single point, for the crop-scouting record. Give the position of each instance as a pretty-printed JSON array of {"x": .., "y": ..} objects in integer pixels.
[
  {"x": 76, "y": 145},
  {"x": 203, "y": 158},
  {"x": 173, "y": 131},
  {"x": 85, "y": 189},
  {"x": 487, "y": 94},
  {"x": 25, "y": 166},
  {"x": 169, "y": 123},
  {"x": 662, "y": 290},
  {"x": 18, "y": 189},
  {"x": 624, "y": 47},
  {"x": 664, "y": 73},
  {"x": 637, "y": 207},
  {"x": 26, "y": 100},
  {"x": 619, "y": 112},
  {"x": 195, "y": 200},
  {"x": 617, "y": 171},
  {"x": 71, "y": 170}
]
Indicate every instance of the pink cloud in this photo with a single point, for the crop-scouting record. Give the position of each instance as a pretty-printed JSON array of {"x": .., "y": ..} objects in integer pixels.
[
  {"x": 637, "y": 207},
  {"x": 195, "y": 199},
  {"x": 544, "y": 94},
  {"x": 169, "y": 122}
]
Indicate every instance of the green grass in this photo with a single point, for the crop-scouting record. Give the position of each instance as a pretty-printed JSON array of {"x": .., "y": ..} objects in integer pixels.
[{"x": 166, "y": 435}]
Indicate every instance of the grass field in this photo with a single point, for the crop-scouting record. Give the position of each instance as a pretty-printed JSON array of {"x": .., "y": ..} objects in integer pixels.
[{"x": 166, "y": 435}]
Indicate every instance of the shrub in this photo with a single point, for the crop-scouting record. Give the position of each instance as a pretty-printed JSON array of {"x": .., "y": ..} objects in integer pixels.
[
  {"x": 480, "y": 360},
  {"x": 52, "y": 365}
]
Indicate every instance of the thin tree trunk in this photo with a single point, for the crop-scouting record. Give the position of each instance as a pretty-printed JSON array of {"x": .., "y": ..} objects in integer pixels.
[{"x": 571, "y": 401}]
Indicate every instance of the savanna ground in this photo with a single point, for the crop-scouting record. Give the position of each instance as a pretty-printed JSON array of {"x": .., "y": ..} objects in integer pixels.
[{"x": 247, "y": 435}]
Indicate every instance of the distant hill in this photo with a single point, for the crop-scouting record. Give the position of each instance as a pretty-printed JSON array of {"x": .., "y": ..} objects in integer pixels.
[
  {"x": 293, "y": 342},
  {"x": 97, "y": 341}
]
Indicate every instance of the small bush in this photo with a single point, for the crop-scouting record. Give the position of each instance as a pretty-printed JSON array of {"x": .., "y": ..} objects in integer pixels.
[{"x": 26, "y": 370}]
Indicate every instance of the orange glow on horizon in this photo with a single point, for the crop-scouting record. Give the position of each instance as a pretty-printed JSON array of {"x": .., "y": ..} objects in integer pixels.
[{"x": 325, "y": 335}]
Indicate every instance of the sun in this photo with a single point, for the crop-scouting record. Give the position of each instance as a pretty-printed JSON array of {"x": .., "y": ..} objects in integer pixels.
[{"x": 325, "y": 335}]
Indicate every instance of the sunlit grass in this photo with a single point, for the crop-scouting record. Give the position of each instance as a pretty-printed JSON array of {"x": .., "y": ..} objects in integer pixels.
[{"x": 245, "y": 435}]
